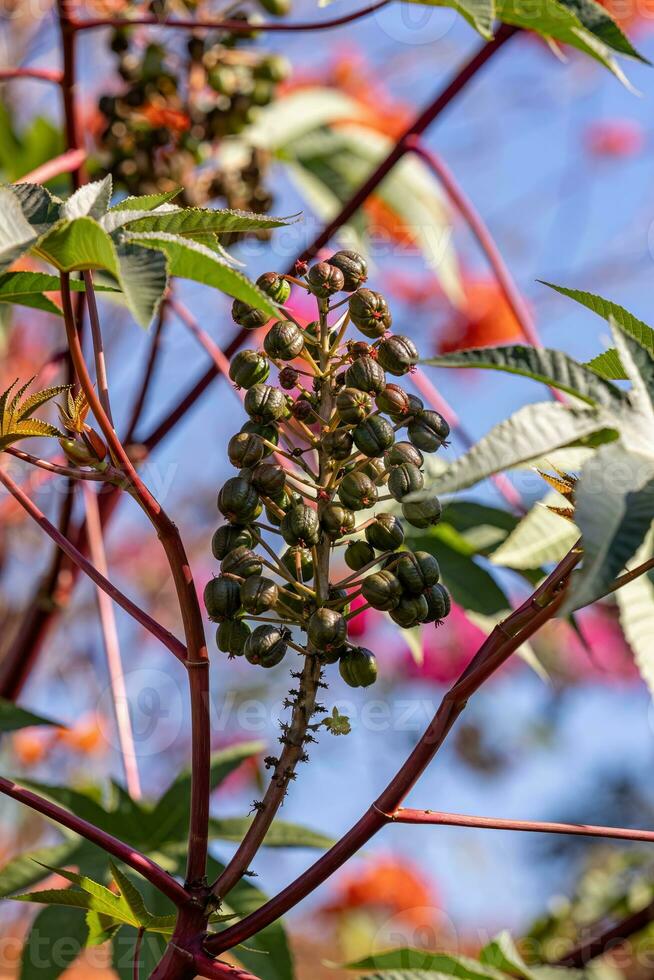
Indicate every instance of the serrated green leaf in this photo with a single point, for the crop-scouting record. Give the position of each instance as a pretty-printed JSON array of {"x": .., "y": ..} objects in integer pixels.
[
  {"x": 503, "y": 954},
  {"x": 143, "y": 277},
  {"x": 130, "y": 895},
  {"x": 281, "y": 833},
  {"x": 636, "y": 606},
  {"x": 101, "y": 898},
  {"x": 89, "y": 201},
  {"x": 599, "y": 22},
  {"x": 408, "y": 959},
  {"x": 16, "y": 233},
  {"x": 54, "y": 942},
  {"x": 28, "y": 288},
  {"x": 540, "y": 537},
  {"x": 39, "y": 206},
  {"x": 28, "y": 869},
  {"x": 552, "y": 367},
  {"x": 145, "y": 202},
  {"x": 101, "y": 928},
  {"x": 189, "y": 222},
  {"x": 480, "y": 14},
  {"x": 638, "y": 363},
  {"x": 608, "y": 366},
  {"x": 12, "y": 717}
]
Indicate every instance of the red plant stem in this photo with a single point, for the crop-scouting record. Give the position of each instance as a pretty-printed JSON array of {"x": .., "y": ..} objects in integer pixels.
[
  {"x": 233, "y": 26},
  {"x": 136, "y": 965},
  {"x": 217, "y": 970},
  {"x": 67, "y": 84},
  {"x": 98, "y": 345},
  {"x": 69, "y": 549},
  {"x": 151, "y": 871},
  {"x": 605, "y": 941},
  {"x": 507, "y": 637},
  {"x": 35, "y": 74},
  {"x": 148, "y": 375},
  {"x": 197, "y": 660},
  {"x": 435, "y": 817},
  {"x": 66, "y": 163},
  {"x": 50, "y": 467},
  {"x": 112, "y": 649}
]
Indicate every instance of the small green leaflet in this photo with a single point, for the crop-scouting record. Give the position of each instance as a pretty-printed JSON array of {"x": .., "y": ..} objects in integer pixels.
[
  {"x": 419, "y": 962},
  {"x": 12, "y": 717},
  {"x": 28, "y": 289},
  {"x": 281, "y": 833}
]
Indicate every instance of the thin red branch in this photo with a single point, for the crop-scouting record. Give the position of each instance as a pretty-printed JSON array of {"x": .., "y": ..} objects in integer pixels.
[
  {"x": 435, "y": 817},
  {"x": 232, "y": 26},
  {"x": 217, "y": 970},
  {"x": 65, "y": 163},
  {"x": 34, "y": 74},
  {"x": 69, "y": 549},
  {"x": 67, "y": 84},
  {"x": 148, "y": 375},
  {"x": 58, "y": 468},
  {"x": 608, "y": 939},
  {"x": 98, "y": 346},
  {"x": 151, "y": 871}
]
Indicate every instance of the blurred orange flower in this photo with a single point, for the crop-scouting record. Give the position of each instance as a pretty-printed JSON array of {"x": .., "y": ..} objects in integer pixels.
[
  {"x": 31, "y": 747},
  {"x": 161, "y": 116},
  {"x": 84, "y": 737},
  {"x": 485, "y": 319},
  {"x": 390, "y": 886}
]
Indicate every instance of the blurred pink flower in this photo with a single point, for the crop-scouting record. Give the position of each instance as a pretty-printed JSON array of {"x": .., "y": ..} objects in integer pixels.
[
  {"x": 608, "y": 658},
  {"x": 361, "y": 623},
  {"x": 617, "y": 138},
  {"x": 446, "y": 651}
]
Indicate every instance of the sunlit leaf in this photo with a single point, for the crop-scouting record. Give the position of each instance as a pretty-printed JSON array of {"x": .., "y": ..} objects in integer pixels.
[
  {"x": 540, "y": 537},
  {"x": 54, "y": 942}
]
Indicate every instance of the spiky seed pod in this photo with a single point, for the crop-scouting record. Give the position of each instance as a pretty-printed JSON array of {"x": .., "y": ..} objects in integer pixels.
[
  {"x": 438, "y": 602},
  {"x": 353, "y": 266},
  {"x": 288, "y": 378},
  {"x": 268, "y": 431},
  {"x": 397, "y": 354},
  {"x": 366, "y": 374},
  {"x": 338, "y": 443},
  {"x": 385, "y": 533},
  {"x": 422, "y": 513},
  {"x": 353, "y": 405},
  {"x": 242, "y": 561},
  {"x": 337, "y": 521},
  {"x": 301, "y": 526},
  {"x": 417, "y": 571},
  {"x": 222, "y": 598},
  {"x": 394, "y": 401},
  {"x": 259, "y": 594},
  {"x": 358, "y": 554},
  {"x": 357, "y": 491},
  {"x": 248, "y": 368},
  {"x": 275, "y": 286},
  {"x": 283, "y": 341},
  {"x": 405, "y": 479},
  {"x": 245, "y": 449},
  {"x": 266, "y": 646},
  {"x": 429, "y": 431},
  {"x": 358, "y": 348},
  {"x": 358, "y": 667},
  {"x": 325, "y": 279},
  {"x": 370, "y": 313},
  {"x": 382, "y": 590},
  {"x": 373, "y": 436},
  {"x": 301, "y": 409},
  {"x": 403, "y": 452},
  {"x": 248, "y": 317},
  {"x": 327, "y": 630},
  {"x": 231, "y": 636},
  {"x": 263, "y": 403},
  {"x": 302, "y": 557},
  {"x": 411, "y": 610},
  {"x": 268, "y": 478},
  {"x": 239, "y": 501},
  {"x": 229, "y": 537}
]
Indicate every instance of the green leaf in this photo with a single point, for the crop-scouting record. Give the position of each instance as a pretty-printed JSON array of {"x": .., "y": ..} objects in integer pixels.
[
  {"x": 599, "y": 22},
  {"x": 552, "y": 367},
  {"x": 614, "y": 503},
  {"x": 471, "y": 586},
  {"x": 636, "y": 606},
  {"x": 54, "y": 942},
  {"x": 100, "y": 899},
  {"x": 445, "y": 964},
  {"x": 143, "y": 277},
  {"x": 480, "y": 14},
  {"x": 39, "y": 206},
  {"x": 540, "y": 537},
  {"x": 27, "y": 289},
  {"x": 145, "y": 202},
  {"x": 503, "y": 954},
  {"x": 85, "y": 805},
  {"x": 12, "y": 717},
  {"x": 189, "y": 222},
  {"x": 533, "y": 430},
  {"x": 101, "y": 928},
  {"x": 638, "y": 363},
  {"x": 608, "y": 365},
  {"x": 89, "y": 201},
  {"x": 28, "y": 869},
  {"x": 281, "y": 834},
  {"x": 191, "y": 260},
  {"x": 16, "y": 233},
  {"x": 131, "y": 896}
]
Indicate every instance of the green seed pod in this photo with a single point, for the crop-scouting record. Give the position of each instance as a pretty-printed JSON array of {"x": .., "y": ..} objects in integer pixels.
[
  {"x": 327, "y": 630},
  {"x": 271, "y": 283},
  {"x": 370, "y": 313},
  {"x": 373, "y": 436},
  {"x": 358, "y": 667},
  {"x": 259, "y": 594},
  {"x": 222, "y": 598},
  {"x": 325, "y": 279},
  {"x": 242, "y": 561},
  {"x": 366, "y": 374},
  {"x": 283, "y": 341},
  {"x": 397, "y": 354},
  {"x": 410, "y": 611},
  {"x": 231, "y": 636},
  {"x": 239, "y": 501},
  {"x": 248, "y": 317},
  {"x": 269, "y": 479},
  {"x": 353, "y": 405},
  {"x": 417, "y": 571},
  {"x": 263, "y": 403},
  {"x": 248, "y": 368},
  {"x": 375, "y": 469},
  {"x": 353, "y": 266},
  {"x": 416, "y": 406},
  {"x": 277, "y": 8},
  {"x": 266, "y": 646},
  {"x": 269, "y": 431},
  {"x": 301, "y": 526},
  {"x": 337, "y": 521},
  {"x": 312, "y": 334},
  {"x": 296, "y": 557},
  {"x": 274, "y": 68},
  {"x": 358, "y": 554},
  {"x": 77, "y": 452},
  {"x": 245, "y": 449},
  {"x": 382, "y": 590},
  {"x": 385, "y": 533},
  {"x": 227, "y": 538},
  {"x": 284, "y": 500},
  {"x": 394, "y": 401},
  {"x": 357, "y": 491},
  {"x": 403, "y": 452},
  {"x": 422, "y": 513},
  {"x": 438, "y": 603},
  {"x": 429, "y": 431},
  {"x": 405, "y": 479},
  {"x": 338, "y": 443}
]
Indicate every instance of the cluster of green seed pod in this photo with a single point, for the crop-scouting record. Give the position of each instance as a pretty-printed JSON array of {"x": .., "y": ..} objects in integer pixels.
[{"x": 332, "y": 438}]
